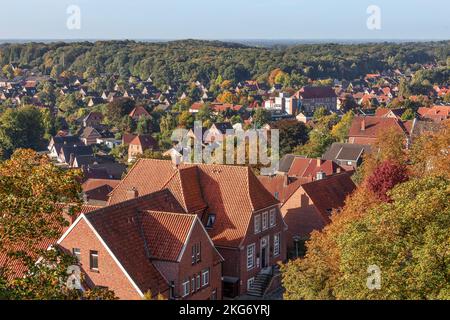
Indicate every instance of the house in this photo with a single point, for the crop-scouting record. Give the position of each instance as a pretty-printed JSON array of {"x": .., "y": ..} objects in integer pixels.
[
  {"x": 435, "y": 113},
  {"x": 139, "y": 144},
  {"x": 146, "y": 245},
  {"x": 217, "y": 132},
  {"x": 312, "y": 169},
  {"x": 95, "y": 191},
  {"x": 309, "y": 207},
  {"x": 127, "y": 138},
  {"x": 138, "y": 112},
  {"x": 364, "y": 130},
  {"x": 93, "y": 101},
  {"x": 311, "y": 98},
  {"x": 57, "y": 142},
  {"x": 347, "y": 154},
  {"x": 90, "y": 135},
  {"x": 15, "y": 266},
  {"x": 68, "y": 153},
  {"x": 284, "y": 102},
  {"x": 241, "y": 217},
  {"x": 93, "y": 119},
  {"x": 390, "y": 113}
]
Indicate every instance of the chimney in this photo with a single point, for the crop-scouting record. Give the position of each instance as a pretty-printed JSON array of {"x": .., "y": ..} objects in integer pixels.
[
  {"x": 132, "y": 193},
  {"x": 363, "y": 124},
  {"x": 319, "y": 162},
  {"x": 285, "y": 180},
  {"x": 320, "y": 175}
]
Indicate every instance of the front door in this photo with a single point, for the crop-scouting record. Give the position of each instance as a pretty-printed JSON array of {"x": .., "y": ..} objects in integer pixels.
[
  {"x": 263, "y": 258},
  {"x": 264, "y": 252}
]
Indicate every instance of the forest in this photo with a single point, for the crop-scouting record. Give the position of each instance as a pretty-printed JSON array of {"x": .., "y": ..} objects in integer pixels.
[{"x": 185, "y": 61}]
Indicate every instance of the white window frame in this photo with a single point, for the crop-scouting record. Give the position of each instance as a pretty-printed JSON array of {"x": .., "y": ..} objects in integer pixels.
[
  {"x": 265, "y": 221},
  {"x": 91, "y": 255},
  {"x": 276, "y": 244},
  {"x": 77, "y": 253},
  {"x": 205, "y": 278},
  {"x": 272, "y": 218},
  {"x": 198, "y": 283},
  {"x": 257, "y": 223},
  {"x": 185, "y": 288},
  {"x": 251, "y": 256}
]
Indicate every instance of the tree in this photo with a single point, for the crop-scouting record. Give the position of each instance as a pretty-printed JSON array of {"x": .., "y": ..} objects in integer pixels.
[
  {"x": 186, "y": 119},
  {"x": 119, "y": 108},
  {"x": 340, "y": 130},
  {"x": 31, "y": 189},
  {"x": 261, "y": 117},
  {"x": 21, "y": 128},
  {"x": 143, "y": 125},
  {"x": 386, "y": 176},
  {"x": 406, "y": 238},
  {"x": 292, "y": 134}
]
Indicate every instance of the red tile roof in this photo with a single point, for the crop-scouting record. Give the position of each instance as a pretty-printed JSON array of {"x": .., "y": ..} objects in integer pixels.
[
  {"x": 145, "y": 141},
  {"x": 373, "y": 125},
  {"x": 282, "y": 185},
  {"x": 139, "y": 111},
  {"x": 230, "y": 192},
  {"x": 308, "y": 168},
  {"x": 15, "y": 266},
  {"x": 90, "y": 184},
  {"x": 329, "y": 193}
]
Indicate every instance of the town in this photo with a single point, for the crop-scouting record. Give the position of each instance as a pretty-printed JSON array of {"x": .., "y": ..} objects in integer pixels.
[{"x": 90, "y": 163}]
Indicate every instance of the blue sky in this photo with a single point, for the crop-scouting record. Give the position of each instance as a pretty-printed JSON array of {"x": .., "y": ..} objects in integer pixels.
[{"x": 225, "y": 19}]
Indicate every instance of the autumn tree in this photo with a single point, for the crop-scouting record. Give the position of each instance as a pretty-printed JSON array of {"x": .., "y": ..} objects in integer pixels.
[
  {"x": 31, "y": 191},
  {"x": 387, "y": 175},
  {"x": 406, "y": 238}
]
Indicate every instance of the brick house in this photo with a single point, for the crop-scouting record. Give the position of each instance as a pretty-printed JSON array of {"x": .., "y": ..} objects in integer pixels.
[
  {"x": 93, "y": 119},
  {"x": 241, "y": 217},
  {"x": 146, "y": 245},
  {"x": 364, "y": 130},
  {"x": 138, "y": 112},
  {"x": 308, "y": 207},
  {"x": 139, "y": 144},
  {"x": 311, "y": 98}
]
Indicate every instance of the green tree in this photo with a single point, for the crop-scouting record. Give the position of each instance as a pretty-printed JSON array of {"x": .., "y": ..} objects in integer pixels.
[{"x": 21, "y": 128}]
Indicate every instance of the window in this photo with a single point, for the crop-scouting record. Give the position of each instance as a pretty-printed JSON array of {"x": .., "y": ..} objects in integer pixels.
[
  {"x": 214, "y": 295},
  {"x": 185, "y": 288},
  {"x": 205, "y": 277},
  {"x": 257, "y": 223},
  {"x": 272, "y": 217},
  {"x": 277, "y": 195},
  {"x": 250, "y": 283},
  {"x": 211, "y": 220},
  {"x": 93, "y": 260},
  {"x": 196, "y": 253},
  {"x": 193, "y": 284},
  {"x": 199, "y": 284},
  {"x": 276, "y": 245},
  {"x": 264, "y": 221},
  {"x": 77, "y": 253},
  {"x": 251, "y": 256}
]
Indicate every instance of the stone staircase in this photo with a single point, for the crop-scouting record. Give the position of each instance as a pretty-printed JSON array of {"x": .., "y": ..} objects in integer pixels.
[{"x": 260, "y": 284}]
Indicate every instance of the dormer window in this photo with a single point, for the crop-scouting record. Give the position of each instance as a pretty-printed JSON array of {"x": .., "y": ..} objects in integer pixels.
[{"x": 211, "y": 220}]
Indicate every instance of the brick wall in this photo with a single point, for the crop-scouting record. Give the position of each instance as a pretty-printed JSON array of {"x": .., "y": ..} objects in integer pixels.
[
  {"x": 301, "y": 216},
  {"x": 109, "y": 274}
]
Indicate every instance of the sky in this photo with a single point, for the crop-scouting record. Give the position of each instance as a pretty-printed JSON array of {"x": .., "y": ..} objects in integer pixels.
[{"x": 225, "y": 19}]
